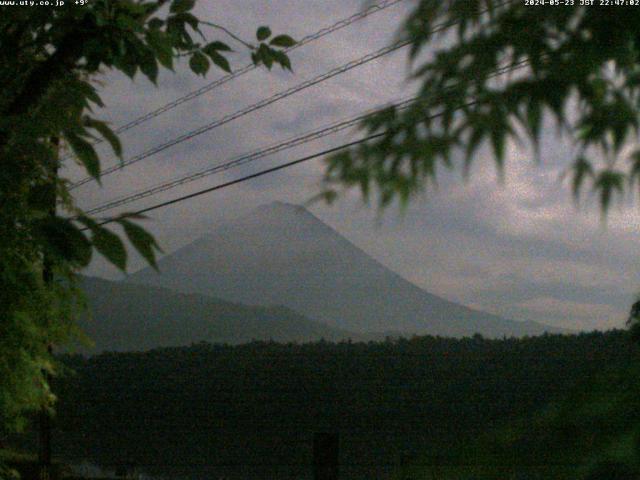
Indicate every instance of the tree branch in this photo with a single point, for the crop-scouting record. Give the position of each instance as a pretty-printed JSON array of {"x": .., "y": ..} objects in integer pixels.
[{"x": 230, "y": 33}]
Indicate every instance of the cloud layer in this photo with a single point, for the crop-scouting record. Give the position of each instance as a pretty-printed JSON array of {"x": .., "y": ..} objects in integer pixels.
[{"x": 520, "y": 249}]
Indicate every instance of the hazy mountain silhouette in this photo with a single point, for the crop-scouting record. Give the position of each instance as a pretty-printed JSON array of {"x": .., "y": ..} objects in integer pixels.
[
  {"x": 281, "y": 254},
  {"x": 128, "y": 317}
]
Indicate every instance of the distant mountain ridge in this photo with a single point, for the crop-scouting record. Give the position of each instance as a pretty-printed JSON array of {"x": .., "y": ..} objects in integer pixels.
[
  {"x": 281, "y": 254},
  {"x": 129, "y": 317}
]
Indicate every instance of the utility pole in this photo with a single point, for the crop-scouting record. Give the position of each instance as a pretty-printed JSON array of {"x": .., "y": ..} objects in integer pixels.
[{"x": 44, "y": 452}]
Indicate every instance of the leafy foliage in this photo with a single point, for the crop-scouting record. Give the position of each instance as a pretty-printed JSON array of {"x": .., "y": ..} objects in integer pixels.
[
  {"x": 48, "y": 58},
  {"x": 634, "y": 320},
  {"x": 594, "y": 427},
  {"x": 582, "y": 69}
]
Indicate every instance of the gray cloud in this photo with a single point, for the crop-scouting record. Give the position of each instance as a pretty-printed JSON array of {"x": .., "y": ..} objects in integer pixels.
[{"x": 520, "y": 250}]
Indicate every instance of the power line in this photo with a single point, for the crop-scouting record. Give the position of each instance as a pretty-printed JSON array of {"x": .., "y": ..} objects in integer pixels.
[
  {"x": 259, "y": 154},
  {"x": 266, "y": 171},
  {"x": 268, "y": 101},
  {"x": 236, "y": 162},
  {"x": 379, "y": 7},
  {"x": 261, "y": 104},
  {"x": 248, "y": 177},
  {"x": 273, "y": 169},
  {"x": 255, "y": 175}
]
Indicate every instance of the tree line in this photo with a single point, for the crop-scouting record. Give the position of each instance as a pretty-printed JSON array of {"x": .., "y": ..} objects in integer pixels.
[{"x": 426, "y": 401}]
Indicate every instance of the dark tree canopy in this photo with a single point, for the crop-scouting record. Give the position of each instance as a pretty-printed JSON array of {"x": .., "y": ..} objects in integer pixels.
[
  {"x": 537, "y": 408},
  {"x": 578, "y": 64},
  {"x": 48, "y": 58}
]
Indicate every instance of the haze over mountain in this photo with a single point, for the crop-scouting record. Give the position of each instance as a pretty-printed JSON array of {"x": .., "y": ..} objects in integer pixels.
[
  {"x": 281, "y": 254},
  {"x": 128, "y": 317}
]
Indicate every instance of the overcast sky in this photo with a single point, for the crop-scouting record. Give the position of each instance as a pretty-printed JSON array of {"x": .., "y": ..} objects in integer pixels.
[{"x": 522, "y": 249}]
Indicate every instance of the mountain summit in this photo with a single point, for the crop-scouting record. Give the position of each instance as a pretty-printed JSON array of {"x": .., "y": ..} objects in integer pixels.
[{"x": 281, "y": 254}]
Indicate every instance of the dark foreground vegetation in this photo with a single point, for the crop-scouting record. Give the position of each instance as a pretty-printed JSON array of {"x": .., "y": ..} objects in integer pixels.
[{"x": 542, "y": 407}]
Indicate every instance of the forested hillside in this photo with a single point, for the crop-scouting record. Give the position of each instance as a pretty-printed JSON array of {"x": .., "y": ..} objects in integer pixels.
[
  {"x": 250, "y": 411},
  {"x": 127, "y": 317}
]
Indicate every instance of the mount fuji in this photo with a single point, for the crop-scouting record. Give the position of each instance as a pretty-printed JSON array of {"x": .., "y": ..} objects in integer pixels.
[{"x": 282, "y": 255}]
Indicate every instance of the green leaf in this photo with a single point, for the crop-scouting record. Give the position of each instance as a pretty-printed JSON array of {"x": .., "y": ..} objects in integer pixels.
[
  {"x": 127, "y": 23},
  {"x": 142, "y": 241},
  {"x": 199, "y": 63},
  {"x": 176, "y": 29},
  {"x": 475, "y": 139},
  {"x": 90, "y": 92},
  {"x": 581, "y": 169},
  {"x": 88, "y": 222},
  {"x": 216, "y": 47},
  {"x": 127, "y": 65},
  {"x": 220, "y": 61},
  {"x": 155, "y": 23},
  {"x": 267, "y": 59},
  {"x": 106, "y": 133},
  {"x": 284, "y": 41},
  {"x": 498, "y": 143},
  {"x": 534, "y": 118},
  {"x": 149, "y": 65},
  {"x": 85, "y": 152},
  {"x": 189, "y": 19},
  {"x": 634, "y": 171},
  {"x": 66, "y": 240},
  {"x": 162, "y": 46},
  {"x": 181, "y": 6},
  {"x": 328, "y": 196},
  {"x": 110, "y": 245},
  {"x": 263, "y": 33},
  {"x": 265, "y": 56},
  {"x": 282, "y": 58},
  {"x": 608, "y": 182}
]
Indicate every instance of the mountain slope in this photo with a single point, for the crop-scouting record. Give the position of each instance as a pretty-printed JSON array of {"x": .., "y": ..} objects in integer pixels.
[
  {"x": 281, "y": 254},
  {"x": 129, "y": 317}
]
